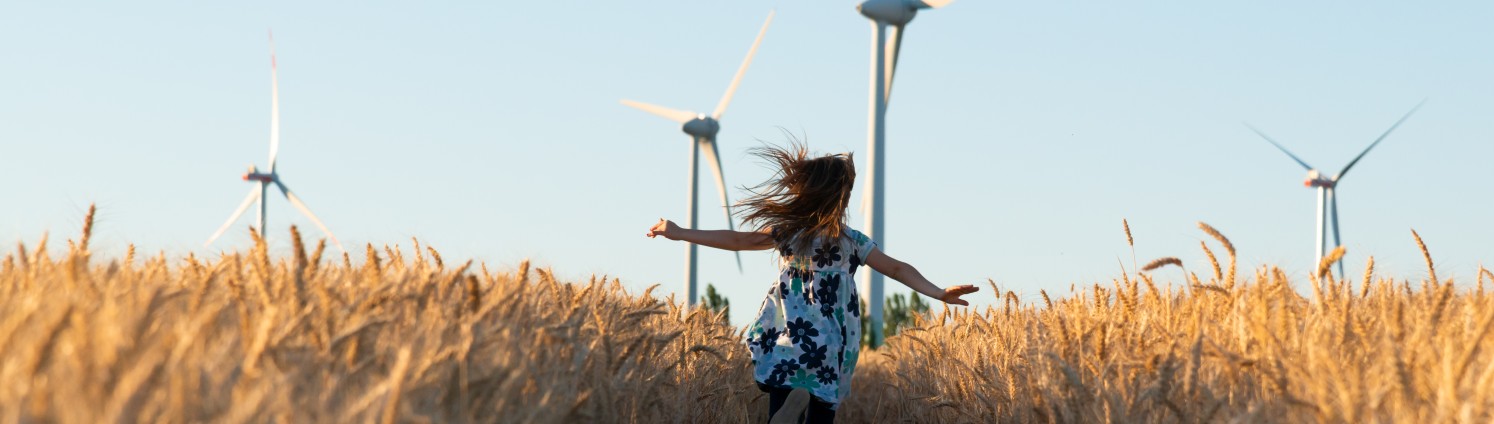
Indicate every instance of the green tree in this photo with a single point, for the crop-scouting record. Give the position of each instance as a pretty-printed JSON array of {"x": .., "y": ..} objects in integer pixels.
[
  {"x": 717, "y": 303},
  {"x": 900, "y": 311},
  {"x": 897, "y": 313}
]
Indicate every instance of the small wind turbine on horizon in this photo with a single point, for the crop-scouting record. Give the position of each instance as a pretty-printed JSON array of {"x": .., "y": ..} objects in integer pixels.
[
  {"x": 263, "y": 180},
  {"x": 883, "y": 14},
  {"x": 1327, "y": 190},
  {"x": 702, "y": 130}
]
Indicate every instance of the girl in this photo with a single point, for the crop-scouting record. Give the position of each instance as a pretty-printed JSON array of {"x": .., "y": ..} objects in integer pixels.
[{"x": 807, "y": 334}]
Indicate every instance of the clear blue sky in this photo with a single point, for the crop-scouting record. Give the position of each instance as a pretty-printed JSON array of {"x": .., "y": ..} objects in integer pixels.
[{"x": 1020, "y": 134}]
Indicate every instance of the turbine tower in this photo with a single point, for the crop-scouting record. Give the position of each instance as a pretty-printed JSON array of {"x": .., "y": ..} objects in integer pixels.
[
  {"x": 263, "y": 180},
  {"x": 885, "y": 15},
  {"x": 1327, "y": 191},
  {"x": 702, "y": 130}
]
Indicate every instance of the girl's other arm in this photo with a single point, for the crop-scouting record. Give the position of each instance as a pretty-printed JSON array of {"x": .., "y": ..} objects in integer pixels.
[
  {"x": 909, "y": 276},
  {"x": 720, "y": 239}
]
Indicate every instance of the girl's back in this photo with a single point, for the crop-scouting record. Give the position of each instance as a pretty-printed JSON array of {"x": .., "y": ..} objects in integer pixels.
[{"x": 808, "y": 330}]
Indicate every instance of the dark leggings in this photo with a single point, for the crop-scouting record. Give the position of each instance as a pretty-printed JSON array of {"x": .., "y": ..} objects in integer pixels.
[{"x": 817, "y": 412}]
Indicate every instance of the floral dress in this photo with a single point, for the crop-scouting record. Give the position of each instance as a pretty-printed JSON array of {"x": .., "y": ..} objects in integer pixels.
[{"x": 808, "y": 332}]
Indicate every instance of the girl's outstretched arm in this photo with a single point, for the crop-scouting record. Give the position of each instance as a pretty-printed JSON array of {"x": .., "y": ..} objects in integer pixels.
[
  {"x": 720, "y": 239},
  {"x": 909, "y": 276}
]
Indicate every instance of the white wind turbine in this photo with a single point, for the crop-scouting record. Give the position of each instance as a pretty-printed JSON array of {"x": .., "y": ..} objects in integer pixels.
[
  {"x": 1327, "y": 191},
  {"x": 702, "y": 130},
  {"x": 884, "y": 15},
  {"x": 263, "y": 180}
]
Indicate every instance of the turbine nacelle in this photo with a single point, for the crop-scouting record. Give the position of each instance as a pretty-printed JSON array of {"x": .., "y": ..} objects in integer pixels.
[
  {"x": 702, "y": 126},
  {"x": 1317, "y": 179},
  {"x": 255, "y": 175},
  {"x": 896, "y": 12}
]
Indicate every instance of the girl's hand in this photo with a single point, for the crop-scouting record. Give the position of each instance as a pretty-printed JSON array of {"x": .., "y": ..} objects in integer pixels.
[
  {"x": 664, "y": 228},
  {"x": 952, "y": 294}
]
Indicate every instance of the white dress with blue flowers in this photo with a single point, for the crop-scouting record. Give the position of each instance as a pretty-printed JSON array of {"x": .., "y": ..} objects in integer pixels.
[{"x": 808, "y": 332}]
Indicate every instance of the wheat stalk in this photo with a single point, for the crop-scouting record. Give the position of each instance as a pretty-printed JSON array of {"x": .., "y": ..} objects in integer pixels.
[
  {"x": 437, "y": 257},
  {"x": 1327, "y": 263},
  {"x": 1161, "y": 262},
  {"x": 1431, "y": 272},
  {"x": 87, "y": 229},
  {"x": 1218, "y": 274},
  {"x": 1229, "y": 279},
  {"x": 1129, "y": 242}
]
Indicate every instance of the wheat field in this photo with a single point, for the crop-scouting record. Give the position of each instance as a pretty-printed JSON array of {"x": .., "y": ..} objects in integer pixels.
[{"x": 401, "y": 335}]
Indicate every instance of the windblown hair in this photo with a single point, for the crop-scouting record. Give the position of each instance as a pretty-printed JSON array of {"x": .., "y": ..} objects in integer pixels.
[{"x": 806, "y": 198}]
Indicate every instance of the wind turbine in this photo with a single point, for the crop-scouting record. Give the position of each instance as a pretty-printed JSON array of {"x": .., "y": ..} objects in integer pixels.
[
  {"x": 263, "y": 180},
  {"x": 885, "y": 47},
  {"x": 702, "y": 130},
  {"x": 1327, "y": 190}
]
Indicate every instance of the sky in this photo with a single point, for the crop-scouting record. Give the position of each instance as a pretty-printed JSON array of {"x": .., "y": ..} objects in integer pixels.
[{"x": 1019, "y": 136}]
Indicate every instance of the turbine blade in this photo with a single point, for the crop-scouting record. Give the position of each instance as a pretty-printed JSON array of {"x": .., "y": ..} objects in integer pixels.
[
  {"x": 713, "y": 157},
  {"x": 274, "y": 107},
  {"x": 1278, "y": 146},
  {"x": 248, "y": 201},
  {"x": 1377, "y": 141},
  {"x": 296, "y": 201},
  {"x": 678, "y": 116},
  {"x": 737, "y": 80},
  {"x": 894, "y": 47},
  {"x": 934, "y": 4},
  {"x": 1337, "y": 241}
]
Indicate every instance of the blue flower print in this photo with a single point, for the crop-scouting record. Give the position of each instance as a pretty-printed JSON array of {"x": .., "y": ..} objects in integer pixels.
[
  {"x": 768, "y": 340},
  {"x": 826, "y": 294},
  {"x": 828, "y": 288},
  {"x": 814, "y": 356},
  {"x": 775, "y": 379},
  {"x": 827, "y": 375},
  {"x": 801, "y": 330},
  {"x": 855, "y": 262},
  {"x": 781, "y": 372},
  {"x": 854, "y": 306},
  {"x": 826, "y": 256},
  {"x": 786, "y": 366}
]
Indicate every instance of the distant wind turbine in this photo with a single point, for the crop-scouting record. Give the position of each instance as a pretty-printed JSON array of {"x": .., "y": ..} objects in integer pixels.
[
  {"x": 263, "y": 180},
  {"x": 896, "y": 14},
  {"x": 1327, "y": 190},
  {"x": 702, "y": 130}
]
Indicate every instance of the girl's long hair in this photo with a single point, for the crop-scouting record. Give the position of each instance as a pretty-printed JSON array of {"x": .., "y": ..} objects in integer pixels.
[{"x": 806, "y": 198}]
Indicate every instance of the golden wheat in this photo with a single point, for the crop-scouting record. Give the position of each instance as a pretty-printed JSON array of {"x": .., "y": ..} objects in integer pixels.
[
  {"x": 1255, "y": 352},
  {"x": 247, "y": 337},
  {"x": 244, "y": 338}
]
